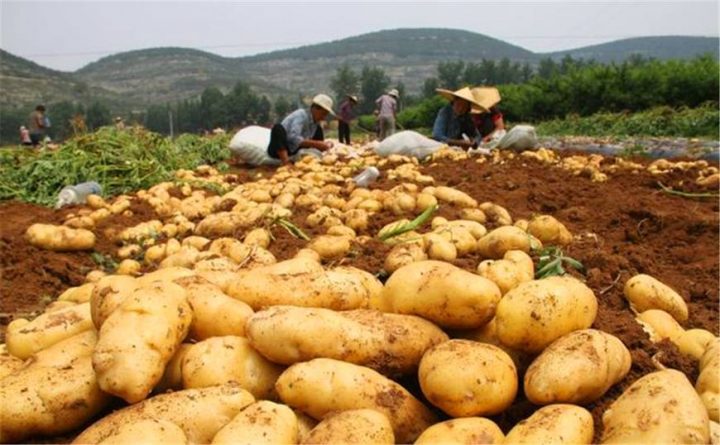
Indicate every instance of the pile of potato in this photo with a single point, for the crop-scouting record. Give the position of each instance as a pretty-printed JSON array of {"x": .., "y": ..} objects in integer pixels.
[{"x": 222, "y": 343}]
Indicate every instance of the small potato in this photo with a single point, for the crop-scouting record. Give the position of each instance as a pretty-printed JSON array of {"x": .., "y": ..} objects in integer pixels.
[
  {"x": 660, "y": 407},
  {"x": 424, "y": 201},
  {"x": 147, "y": 431},
  {"x": 356, "y": 219},
  {"x": 262, "y": 422},
  {"x": 522, "y": 224},
  {"x": 694, "y": 342},
  {"x": 516, "y": 267},
  {"x": 557, "y": 424},
  {"x": 496, "y": 214},
  {"x": 466, "y": 430},
  {"x": 128, "y": 267},
  {"x": 549, "y": 230},
  {"x": 475, "y": 214},
  {"x": 465, "y": 378},
  {"x": 439, "y": 248},
  {"x": 454, "y": 197},
  {"x": 496, "y": 243},
  {"x": 352, "y": 427},
  {"x": 536, "y": 313},
  {"x": 198, "y": 242},
  {"x": 94, "y": 275},
  {"x": 659, "y": 325},
  {"x": 442, "y": 293},
  {"x": 59, "y": 238},
  {"x": 460, "y": 236},
  {"x": 95, "y": 202},
  {"x": 79, "y": 294},
  {"x": 577, "y": 368},
  {"x": 645, "y": 292},
  {"x": 708, "y": 384},
  {"x": 330, "y": 247},
  {"x": 80, "y": 222},
  {"x": 403, "y": 254},
  {"x": 341, "y": 231}
]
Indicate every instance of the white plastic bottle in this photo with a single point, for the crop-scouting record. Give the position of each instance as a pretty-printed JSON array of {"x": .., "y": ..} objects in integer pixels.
[
  {"x": 77, "y": 194},
  {"x": 366, "y": 177}
]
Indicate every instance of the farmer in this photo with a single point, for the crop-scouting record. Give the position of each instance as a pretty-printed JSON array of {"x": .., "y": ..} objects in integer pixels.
[
  {"x": 300, "y": 132},
  {"x": 490, "y": 121},
  {"x": 345, "y": 116},
  {"x": 387, "y": 113},
  {"x": 37, "y": 125},
  {"x": 454, "y": 124},
  {"x": 25, "y": 136}
]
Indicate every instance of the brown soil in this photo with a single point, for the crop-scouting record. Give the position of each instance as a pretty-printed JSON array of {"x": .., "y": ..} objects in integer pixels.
[{"x": 625, "y": 226}]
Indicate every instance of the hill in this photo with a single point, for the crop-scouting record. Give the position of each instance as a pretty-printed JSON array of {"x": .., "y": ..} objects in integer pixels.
[{"x": 662, "y": 48}]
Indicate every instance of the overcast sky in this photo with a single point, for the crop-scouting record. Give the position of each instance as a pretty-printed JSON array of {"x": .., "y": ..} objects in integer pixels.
[{"x": 68, "y": 35}]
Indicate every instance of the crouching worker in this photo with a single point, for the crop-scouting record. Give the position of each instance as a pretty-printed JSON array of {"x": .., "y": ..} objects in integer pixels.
[
  {"x": 454, "y": 124},
  {"x": 300, "y": 133}
]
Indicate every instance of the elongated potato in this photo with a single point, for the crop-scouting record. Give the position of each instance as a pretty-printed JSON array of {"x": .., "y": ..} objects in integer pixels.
[
  {"x": 147, "y": 431},
  {"x": 577, "y": 368},
  {"x": 496, "y": 214},
  {"x": 645, "y": 292},
  {"x": 454, "y": 197},
  {"x": 200, "y": 413},
  {"x": 497, "y": 242},
  {"x": 708, "y": 384},
  {"x": 139, "y": 339},
  {"x": 24, "y": 338},
  {"x": 659, "y": 325},
  {"x": 109, "y": 293},
  {"x": 262, "y": 422},
  {"x": 536, "y": 313},
  {"x": 356, "y": 427},
  {"x": 465, "y": 378},
  {"x": 556, "y": 424},
  {"x": 461, "y": 431},
  {"x": 549, "y": 230},
  {"x": 59, "y": 238},
  {"x": 442, "y": 293},
  {"x": 660, "y": 407},
  {"x": 55, "y": 393},
  {"x": 321, "y": 386}
]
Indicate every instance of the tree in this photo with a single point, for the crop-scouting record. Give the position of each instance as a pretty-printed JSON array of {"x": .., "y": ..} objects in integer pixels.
[
  {"x": 263, "y": 111},
  {"x": 210, "y": 108},
  {"x": 157, "y": 119},
  {"x": 547, "y": 68},
  {"x": 526, "y": 72},
  {"x": 97, "y": 115},
  {"x": 489, "y": 72},
  {"x": 450, "y": 74},
  {"x": 344, "y": 82},
  {"x": 61, "y": 114},
  {"x": 429, "y": 87},
  {"x": 373, "y": 83},
  {"x": 281, "y": 108}
]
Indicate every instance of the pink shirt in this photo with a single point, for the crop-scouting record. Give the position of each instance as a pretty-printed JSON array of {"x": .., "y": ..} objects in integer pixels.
[{"x": 387, "y": 105}]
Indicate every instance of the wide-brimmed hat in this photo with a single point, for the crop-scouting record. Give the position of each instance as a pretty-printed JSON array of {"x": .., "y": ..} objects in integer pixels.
[
  {"x": 353, "y": 98},
  {"x": 394, "y": 93},
  {"x": 487, "y": 97},
  {"x": 325, "y": 102},
  {"x": 463, "y": 93}
]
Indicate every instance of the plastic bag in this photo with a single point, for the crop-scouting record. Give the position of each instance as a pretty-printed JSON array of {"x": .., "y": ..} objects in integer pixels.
[
  {"x": 520, "y": 137},
  {"x": 408, "y": 143},
  {"x": 250, "y": 145}
]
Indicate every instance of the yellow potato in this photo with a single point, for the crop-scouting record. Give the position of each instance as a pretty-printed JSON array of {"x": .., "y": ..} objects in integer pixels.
[
  {"x": 402, "y": 255},
  {"x": 659, "y": 325},
  {"x": 262, "y": 422},
  {"x": 8, "y": 363},
  {"x": 321, "y": 386},
  {"x": 708, "y": 383},
  {"x": 424, "y": 201},
  {"x": 694, "y": 342},
  {"x": 466, "y": 430},
  {"x": 460, "y": 236},
  {"x": 128, "y": 267},
  {"x": 476, "y": 215},
  {"x": 172, "y": 377},
  {"x": 442, "y": 293},
  {"x": 516, "y": 267},
  {"x": 577, "y": 368},
  {"x": 147, "y": 431},
  {"x": 556, "y": 424},
  {"x": 549, "y": 230},
  {"x": 645, "y": 292},
  {"x": 439, "y": 248},
  {"x": 357, "y": 426},
  {"x": 59, "y": 238},
  {"x": 330, "y": 246},
  {"x": 497, "y": 242},
  {"x": 454, "y": 197},
  {"x": 465, "y": 378},
  {"x": 496, "y": 214},
  {"x": 109, "y": 293}
]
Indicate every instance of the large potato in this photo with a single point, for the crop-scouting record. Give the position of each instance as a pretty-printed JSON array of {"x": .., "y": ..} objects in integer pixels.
[
  {"x": 465, "y": 378},
  {"x": 442, "y": 293},
  {"x": 200, "y": 413},
  {"x": 54, "y": 393},
  {"x": 645, "y": 292},
  {"x": 466, "y": 430},
  {"x": 59, "y": 238},
  {"x": 139, "y": 338},
  {"x": 660, "y": 407},
  {"x": 147, "y": 431},
  {"x": 8, "y": 363},
  {"x": 536, "y": 313},
  {"x": 109, "y": 293},
  {"x": 352, "y": 427},
  {"x": 577, "y": 368},
  {"x": 708, "y": 382},
  {"x": 549, "y": 230},
  {"x": 262, "y": 422},
  {"x": 321, "y": 386},
  {"x": 497, "y": 242},
  {"x": 554, "y": 424},
  {"x": 24, "y": 338}
]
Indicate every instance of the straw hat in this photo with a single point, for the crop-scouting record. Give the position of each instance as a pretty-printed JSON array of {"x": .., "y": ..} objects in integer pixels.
[
  {"x": 487, "y": 97},
  {"x": 325, "y": 102},
  {"x": 353, "y": 98},
  {"x": 463, "y": 93},
  {"x": 394, "y": 93}
]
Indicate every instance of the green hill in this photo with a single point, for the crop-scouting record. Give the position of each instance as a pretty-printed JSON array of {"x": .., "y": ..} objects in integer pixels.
[{"x": 662, "y": 48}]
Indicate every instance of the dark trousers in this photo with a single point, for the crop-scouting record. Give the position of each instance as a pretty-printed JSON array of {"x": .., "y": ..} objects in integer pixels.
[
  {"x": 278, "y": 140},
  {"x": 344, "y": 132}
]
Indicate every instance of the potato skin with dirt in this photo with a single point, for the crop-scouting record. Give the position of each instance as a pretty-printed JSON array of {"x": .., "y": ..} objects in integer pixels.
[
  {"x": 466, "y": 430},
  {"x": 645, "y": 292},
  {"x": 263, "y": 422},
  {"x": 353, "y": 427},
  {"x": 557, "y": 423},
  {"x": 59, "y": 238}
]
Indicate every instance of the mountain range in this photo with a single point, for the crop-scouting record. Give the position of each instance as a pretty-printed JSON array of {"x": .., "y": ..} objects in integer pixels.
[{"x": 136, "y": 79}]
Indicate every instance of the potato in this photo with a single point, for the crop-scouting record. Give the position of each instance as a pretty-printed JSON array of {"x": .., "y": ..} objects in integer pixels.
[
  {"x": 80, "y": 222},
  {"x": 556, "y": 424},
  {"x": 496, "y": 243},
  {"x": 465, "y": 378},
  {"x": 95, "y": 202},
  {"x": 659, "y": 325},
  {"x": 186, "y": 257},
  {"x": 330, "y": 246},
  {"x": 440, "y": 248},
  {"x": 357, "y": 426},
  {"x": 549, "y": 230},
  {"x": 54, "y": 393},
  {"x": 389, "y": 343},
  {"x": 128, "y": 267},
  {"x": 475, "y": 214},
  {"x": 8, "y": 363},
  {"x": 79, "y": 294},
  {"x": 172, "y": 376},
  {"x": 24, "y": 338},
  {"x": 454, "y": 197},
  {"x": 59, "y": 238},
  {"x": 139, "y": 338},
  {"x": 321, "y": 386},
  {"x": 645, "y": 292},
  {"x": 109, "y": 293},
  {"x": 577, "y": 368},
  {"x": 147, "y": 431},
  {"x": 442, "y": 293},
  {"x": 707, "y": 384},
  {"x": 356, "y": 219},
  {"x": 403, "y": 254},
  {"x": 660, "y": 407},
  {"x": 220, "y": 360},
  {"x": 467, "y": 430},
  {"x": 198, "y": 242},
  {"x": 423, "y": 201},
  {"x": 262, "y": 422},
  {"x": 460, "y": 236},
  {"x": 516, "y": 267},
  {"x": 496, "y": 214},
  {"x": 536, "y": 313},
  {"x": 694, "y": 342},
  {"x": 200, "y": 413},
  {"x": 167, "y": 274}
]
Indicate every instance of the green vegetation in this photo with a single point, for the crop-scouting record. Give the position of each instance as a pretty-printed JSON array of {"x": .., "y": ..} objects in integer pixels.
[{"x": 551, "y": 260}]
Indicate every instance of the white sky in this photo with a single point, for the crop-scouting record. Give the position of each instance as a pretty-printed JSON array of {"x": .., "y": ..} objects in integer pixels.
[{"x": 68, "y": 35}]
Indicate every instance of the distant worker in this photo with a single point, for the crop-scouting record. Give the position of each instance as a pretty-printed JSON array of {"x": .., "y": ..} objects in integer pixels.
[
  {"x": 490, "y": 121},
  {"x": 37, "y": 124},
  {"x": 453, "y": 124},
  {"x": 301, "y": 133},
  {"x": 25, "y": 136},
  {"x": 119, "y": 123},
  {"x": 387, "y": 113},
  {"x": 345, "y": 116}
]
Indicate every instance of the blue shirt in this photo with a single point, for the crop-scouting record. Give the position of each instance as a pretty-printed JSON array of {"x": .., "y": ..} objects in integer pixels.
[
  {"x": 448, "y": 125},
  {"x": 299, "y": 126}
]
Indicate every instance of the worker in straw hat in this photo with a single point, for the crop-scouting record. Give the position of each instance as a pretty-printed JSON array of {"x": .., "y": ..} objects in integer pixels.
[
  {"x": 301, "y": 133},
  {"x": 488, "y": 119},
  {"x": 345, "y": 116},
  {"x": 453, "y": 124},
  {"x": 386, "y": 110}
]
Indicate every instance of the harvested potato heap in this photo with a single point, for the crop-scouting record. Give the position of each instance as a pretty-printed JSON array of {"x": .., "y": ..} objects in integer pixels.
[{"x": 308, "y": 350}]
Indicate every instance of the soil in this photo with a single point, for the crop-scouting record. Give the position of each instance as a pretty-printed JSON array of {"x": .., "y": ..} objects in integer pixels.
[{"x": 624, "y": 226}]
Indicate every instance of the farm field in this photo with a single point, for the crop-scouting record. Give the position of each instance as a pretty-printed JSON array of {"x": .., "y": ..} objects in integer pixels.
[{"x": 627, "y": 216}]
